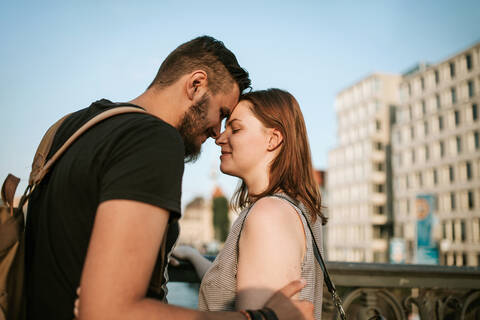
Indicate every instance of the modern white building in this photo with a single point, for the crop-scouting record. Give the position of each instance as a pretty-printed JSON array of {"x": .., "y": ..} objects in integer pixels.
[
  {"x": 436, "y": 151},
  {"x": 359, "y": 171}
]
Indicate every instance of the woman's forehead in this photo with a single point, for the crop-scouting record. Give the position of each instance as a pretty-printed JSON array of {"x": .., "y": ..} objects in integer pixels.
[{"x": 243, "y": 108}]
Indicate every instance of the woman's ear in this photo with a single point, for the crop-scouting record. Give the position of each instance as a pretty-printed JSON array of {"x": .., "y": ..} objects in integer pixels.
[{"x": 275, "y": 139}]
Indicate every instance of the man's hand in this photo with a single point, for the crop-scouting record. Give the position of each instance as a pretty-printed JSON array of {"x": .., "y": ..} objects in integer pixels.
[{"x": 288, "y": 309}]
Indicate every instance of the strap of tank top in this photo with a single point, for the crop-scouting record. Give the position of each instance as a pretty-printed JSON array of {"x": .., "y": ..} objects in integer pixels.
[{"x": 318, "y": 256}]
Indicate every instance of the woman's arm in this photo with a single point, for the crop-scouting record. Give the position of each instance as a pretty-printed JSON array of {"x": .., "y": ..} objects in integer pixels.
[
  {"x": 271, "y": 249},
  {"x": 200, "y": 263}
]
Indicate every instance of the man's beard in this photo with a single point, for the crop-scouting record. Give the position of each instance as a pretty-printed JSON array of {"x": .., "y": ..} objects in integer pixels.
[{"x": 194, "y": 123}]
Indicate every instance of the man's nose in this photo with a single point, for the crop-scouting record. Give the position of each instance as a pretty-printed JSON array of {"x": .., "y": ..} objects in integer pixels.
[{"x": 216, "y": 131}]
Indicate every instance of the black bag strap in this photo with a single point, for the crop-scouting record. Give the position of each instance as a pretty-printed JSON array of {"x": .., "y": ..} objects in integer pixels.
[{"x": 318, "y": 256}]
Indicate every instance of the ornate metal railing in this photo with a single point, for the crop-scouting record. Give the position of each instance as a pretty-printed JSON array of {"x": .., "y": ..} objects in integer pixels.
[{"x": 394, "y": 291}]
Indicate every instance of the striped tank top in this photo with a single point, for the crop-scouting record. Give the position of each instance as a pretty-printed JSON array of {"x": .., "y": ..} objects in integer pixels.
[{"x": 218, "y": 288}]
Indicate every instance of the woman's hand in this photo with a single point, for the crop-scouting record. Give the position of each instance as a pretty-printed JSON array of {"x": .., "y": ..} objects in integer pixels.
[
  {"x": 185, "y": 252},
  {"x": 200, "y": 263}
]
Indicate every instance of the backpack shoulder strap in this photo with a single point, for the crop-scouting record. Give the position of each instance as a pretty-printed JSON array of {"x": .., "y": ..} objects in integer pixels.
[
  {"x": 40, "y": 166},
  {"x": 45, "y": 167},
  {"x": 44, "y": 148}
]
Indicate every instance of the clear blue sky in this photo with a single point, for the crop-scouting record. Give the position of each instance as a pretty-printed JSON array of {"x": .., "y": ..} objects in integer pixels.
[{"x": 59, "y": 56}]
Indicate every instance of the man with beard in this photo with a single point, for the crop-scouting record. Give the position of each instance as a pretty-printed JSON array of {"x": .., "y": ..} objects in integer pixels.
[{"x": 111, "y": 203}]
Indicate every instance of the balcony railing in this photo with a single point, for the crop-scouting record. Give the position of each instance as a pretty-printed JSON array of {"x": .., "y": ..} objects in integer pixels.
[{"x": 393, "y": 291}]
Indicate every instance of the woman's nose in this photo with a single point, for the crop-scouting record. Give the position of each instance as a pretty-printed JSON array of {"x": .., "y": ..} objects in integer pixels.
[{"x": 220, "y": 139}]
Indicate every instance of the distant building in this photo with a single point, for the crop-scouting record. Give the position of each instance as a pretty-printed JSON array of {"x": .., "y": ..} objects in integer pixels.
[
  {"x": 196, "y": 224},
  {"x": 196, "y": 227},
  {"x": 321, "y": 179},
  {"x": 436, "y": 151},
  {"x": 359, "y": 184}
]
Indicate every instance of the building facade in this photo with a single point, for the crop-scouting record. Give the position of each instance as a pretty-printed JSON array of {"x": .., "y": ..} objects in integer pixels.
[
  {"x": 436, "y": 152},
  {"x": 359, "y": 171}
]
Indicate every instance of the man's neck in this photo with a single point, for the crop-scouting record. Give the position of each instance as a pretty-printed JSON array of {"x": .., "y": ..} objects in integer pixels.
[{"x": 163, "y": 104}]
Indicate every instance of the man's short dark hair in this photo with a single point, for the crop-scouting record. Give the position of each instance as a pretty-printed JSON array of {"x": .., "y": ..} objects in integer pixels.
[{"x": 208, "y": 54}]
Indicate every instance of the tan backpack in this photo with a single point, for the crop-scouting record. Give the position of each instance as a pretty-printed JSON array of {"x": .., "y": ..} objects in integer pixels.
[{"x": 12, "y": 219}]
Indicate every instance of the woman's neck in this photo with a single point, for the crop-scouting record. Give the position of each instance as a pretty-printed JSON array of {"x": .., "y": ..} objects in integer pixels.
[{"x": 257, "y": 183}]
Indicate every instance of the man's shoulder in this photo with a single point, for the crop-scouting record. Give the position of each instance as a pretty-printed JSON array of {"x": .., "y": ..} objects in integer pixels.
[{"x": 122, "y": 125}]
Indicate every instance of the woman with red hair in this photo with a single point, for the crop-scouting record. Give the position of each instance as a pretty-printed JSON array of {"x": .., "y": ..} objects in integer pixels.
[{"x": 265, "y": 144}]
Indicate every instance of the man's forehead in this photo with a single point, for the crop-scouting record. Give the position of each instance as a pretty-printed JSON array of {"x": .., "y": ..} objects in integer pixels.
[
  {"x": 230, "y": 100},
  {"x": 234, "y": 96}
]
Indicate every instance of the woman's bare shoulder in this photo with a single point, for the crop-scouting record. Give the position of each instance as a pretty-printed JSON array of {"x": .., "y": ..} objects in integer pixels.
[{"x": 273, "y": 213}]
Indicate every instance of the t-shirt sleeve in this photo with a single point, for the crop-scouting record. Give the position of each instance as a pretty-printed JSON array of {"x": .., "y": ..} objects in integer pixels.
[{"x": 145, "y": 164}]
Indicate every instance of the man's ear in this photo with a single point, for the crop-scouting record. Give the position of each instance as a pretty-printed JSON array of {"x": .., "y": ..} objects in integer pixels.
[
  {"x": 275, "y": 139},
  {"x": 196, "y": 83}
]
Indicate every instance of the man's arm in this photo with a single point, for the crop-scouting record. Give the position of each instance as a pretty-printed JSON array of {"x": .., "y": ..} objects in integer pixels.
[
  {"x": 123, "y": 248},
  {"x": 120, "y": 260}
]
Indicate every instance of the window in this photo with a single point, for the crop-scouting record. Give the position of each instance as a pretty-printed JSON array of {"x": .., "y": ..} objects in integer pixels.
[
  {"x": 470, "y": 200},
  {"x": 424, "y": 107},
  {"x": 452, "y": 203},
  {"x": 409, "y": 90},
  {"x": 378, "y": 125},
  {"x": 453, "y": 236},
  {"x": 412, "y": 132},
  {"x": 476, "y": 136},
  {"x": 453, "y": 92},
  {"x": 437, "y": 98},
  {"x": 471, "y": 89},
  {"x": 379, "y": 166},
  {"x": 459, "y": 145},
  {"x": 422, "y": 83},
  {"x": 469, "y": 170},
  {"x": 407, "y": 181},
  {"x": 444, "y": 231},
  {"x": 425, "y": 128},
  {"x": 410, "y": 114},
  {"x": 451, "y": 175},
  {"x": 457, "y": 118},
  {"x": 452, "y": 70},
  {"x": 463, "y": 233},
  {"x": 427, "y": 153},
  {"x": 420, "y": 179},
  {"x": 442, "y": 149},
  {"x": 440, "y": 123},
  {"x": 468, "y": 59},
  {"x": 435, "y": 177},
  {"x": 437, "y": 77},
  {"x": 474, "y": 111},
  {"x": 413, "y": 156},
  {"x": 378, "y": 146}
]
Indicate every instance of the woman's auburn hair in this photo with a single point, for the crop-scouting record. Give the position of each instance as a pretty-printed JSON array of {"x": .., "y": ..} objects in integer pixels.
[{"x": 291, "y": 171}]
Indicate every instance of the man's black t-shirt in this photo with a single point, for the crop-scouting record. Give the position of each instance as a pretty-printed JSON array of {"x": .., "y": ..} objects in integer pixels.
[{"x": 130, "y": 156}]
